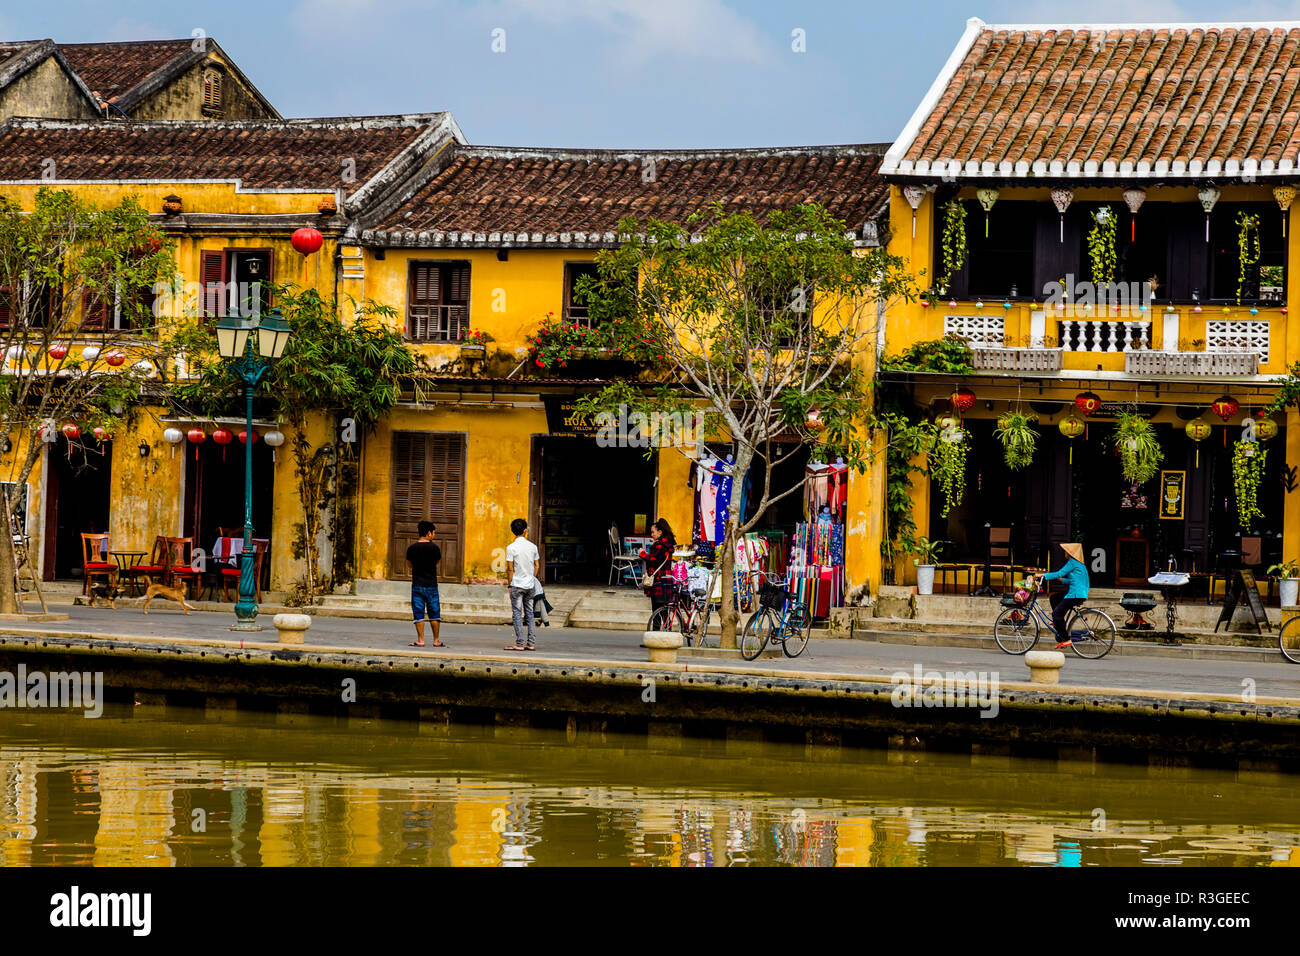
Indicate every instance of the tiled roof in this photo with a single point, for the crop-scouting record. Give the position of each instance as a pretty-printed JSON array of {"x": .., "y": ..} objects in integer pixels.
[
  {"x": 1143, "y": 100},
  {"x": 497, "y": 196},
  {"x": 113, "y": 68},
  {"x": 303, "y": 154}
]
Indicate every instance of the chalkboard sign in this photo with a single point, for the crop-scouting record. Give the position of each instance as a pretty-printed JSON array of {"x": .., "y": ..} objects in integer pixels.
[{"x": 1244, "y": 586}]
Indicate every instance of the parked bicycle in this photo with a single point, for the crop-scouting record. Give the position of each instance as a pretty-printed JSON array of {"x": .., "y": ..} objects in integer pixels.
[
  {"x": 1090, "y": 629},
  {"x": 689, "y": 612},
  {"x": 1290, "y": 634},
  {"x": 779, "y": 619}
]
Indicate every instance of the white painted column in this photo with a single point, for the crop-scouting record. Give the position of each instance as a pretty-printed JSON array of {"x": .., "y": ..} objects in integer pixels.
[
  {"x": 1037, "y": 329},
  {"x": 1170, "y": 333}
]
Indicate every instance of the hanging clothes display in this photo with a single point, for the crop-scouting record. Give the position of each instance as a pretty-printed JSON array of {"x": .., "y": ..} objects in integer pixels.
[
  {"x": 708, "y": 504},
  {"x": 838, "y": 496},
  {"x": 816, "y": 490},
  {"x": 722, "y": 482}
]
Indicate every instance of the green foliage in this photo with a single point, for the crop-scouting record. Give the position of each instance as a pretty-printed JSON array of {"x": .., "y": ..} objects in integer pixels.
[
  {"x": 926, "y": 551},
  {"x": 556, "y": 343},
  {"x": 1287, "y": 569},
  {"x": 1247, "y": 248},
  {"x": 1101, "y": 245},
  {"x": 1288, "y": 391},
  {"x": 1018, "y": 438},
  {"x": 908, "y": 440},
  {"x": 1139, "y": 449},
  {"x": 1247, "y": 474},
  {"x": 954, "y": 240},
  {"x": 950, "y": 354},
  {"x": 948, "y": 464}
]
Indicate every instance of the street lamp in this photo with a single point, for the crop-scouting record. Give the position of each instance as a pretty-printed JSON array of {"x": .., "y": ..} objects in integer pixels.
[{"x": 234, "y": 341}]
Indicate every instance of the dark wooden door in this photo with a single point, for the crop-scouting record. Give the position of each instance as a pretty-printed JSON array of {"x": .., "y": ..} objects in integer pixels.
[{"x": 428, "y": 483}]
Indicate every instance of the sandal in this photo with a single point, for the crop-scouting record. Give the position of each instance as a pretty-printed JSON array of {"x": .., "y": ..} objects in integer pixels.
[
  {"x": 437, "y": 644},
  {"x": 417, "y": 644}
]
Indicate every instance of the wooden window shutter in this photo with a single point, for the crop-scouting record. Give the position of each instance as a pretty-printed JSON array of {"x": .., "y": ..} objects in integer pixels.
[
  {"x": 457, "y": 301},
  {"x": 212, "y": 277},
  {"x": 95, "y": 312},
  {"x": 423, "y": 301},
  {"x": 6, "y": 306}
]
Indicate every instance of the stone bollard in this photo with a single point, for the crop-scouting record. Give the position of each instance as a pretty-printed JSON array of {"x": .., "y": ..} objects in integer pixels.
[
  {"x": 662, "y": 646},
  {"x": 1045, "y": 666},
  {"x": 291, "y": 627}
]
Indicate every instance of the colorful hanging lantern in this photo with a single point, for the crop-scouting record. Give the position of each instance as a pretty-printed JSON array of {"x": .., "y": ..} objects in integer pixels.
[
  {"x": 89, "y": 353},
  {"x": 196, "y": 437},
  {"x": 1284, "y": 195},
  {"x": 1225, "y": 407},
  {"x": 72, "y": 431},
  {"x": 243, "y": 437},
  {"x": 173, "y": 437},
  {"x": 1072, "y": 426},
  {"x": 1134, "y": 198},
  {"x": 1087, "y": 402},
  {"x": 1265, "y": 428},
  {"x": 963, "y": 400},
  {"x": 274, "y": 438},
  {"x": 115, "y": 358},
  {"x": 101, "y": 434},
  {"x": 1198, "y": 429},
  {"x": 914, "y": 195},
  {"x": 306, "y": 240},
  {"x": 987, "y": 198},
  {"x": 58, "y": 351},
  {"x": 1208, "y": 195},
  {"x": 223, "y": 437},
  {"x": 1061, "y": 199}
]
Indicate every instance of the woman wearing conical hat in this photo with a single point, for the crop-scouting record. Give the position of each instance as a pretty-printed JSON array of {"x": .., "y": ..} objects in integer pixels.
[{"x": 1076, "y": 583}]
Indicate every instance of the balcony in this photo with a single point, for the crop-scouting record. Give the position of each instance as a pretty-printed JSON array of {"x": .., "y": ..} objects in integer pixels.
[
  {"x": 1194, "y": 364},
  {"x": 996, "y": 359},
  {"x": 1101, "y": 335}
]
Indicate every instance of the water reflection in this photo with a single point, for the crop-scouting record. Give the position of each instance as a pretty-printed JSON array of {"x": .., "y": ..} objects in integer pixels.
[{"x": 249, "y": 790}]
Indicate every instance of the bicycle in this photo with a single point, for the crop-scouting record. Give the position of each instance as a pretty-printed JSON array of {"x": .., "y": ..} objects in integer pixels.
[
  {"x": 688, "y": 612},
  {"x": 1091, "y": 630},
  {"x": 791, "y": 628},
  {"x": 1291, "y": 653}
]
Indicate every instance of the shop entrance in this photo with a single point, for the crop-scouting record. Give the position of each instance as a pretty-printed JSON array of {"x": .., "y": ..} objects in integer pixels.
[
  {"x": 428, "y": 484},
  {"x": 584, "y": 489},
  {"x": 214, "y": 494},
  {"x": 78, "y": 481}
]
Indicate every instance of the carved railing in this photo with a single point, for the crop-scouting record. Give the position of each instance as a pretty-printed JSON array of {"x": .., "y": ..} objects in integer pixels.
[
  {"x": 1206, "y": 364},
  {"x": 1104, "y": 335},
  {"x": 1017, "y": 359}
]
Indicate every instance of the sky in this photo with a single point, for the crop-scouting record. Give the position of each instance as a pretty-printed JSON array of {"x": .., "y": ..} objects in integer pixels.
[{"x": 602, "y": 73}]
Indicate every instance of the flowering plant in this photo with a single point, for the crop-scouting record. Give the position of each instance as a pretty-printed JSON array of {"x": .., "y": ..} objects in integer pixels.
[
  {"x": 474, "y": 337},
  {"x": 556, "y": 342}
]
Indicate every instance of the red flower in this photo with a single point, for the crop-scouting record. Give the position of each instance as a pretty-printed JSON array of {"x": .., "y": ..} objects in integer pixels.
[{"x": 541, "y": 363}]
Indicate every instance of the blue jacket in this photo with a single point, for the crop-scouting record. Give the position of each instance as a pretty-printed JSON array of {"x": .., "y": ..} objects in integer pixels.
[{"x": 1076, "y": 578}]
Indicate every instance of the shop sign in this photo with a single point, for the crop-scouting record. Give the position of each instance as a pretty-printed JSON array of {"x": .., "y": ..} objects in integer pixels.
[
  {"x": 1173, "y": 488},
  {"x": 563, "y": 418}
]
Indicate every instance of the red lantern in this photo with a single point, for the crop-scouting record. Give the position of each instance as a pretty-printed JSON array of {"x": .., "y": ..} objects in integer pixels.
[
  {"x": 963, "y": 400},
  {"x": 1087, "y": 402},
  {"x": 1225, "y": 407},
  {"x": 223, "y": 437},
  {"x": 243, "y": 437},
  {"x": 306, "y": 240},
  {"x": 57, "y": 352},
  {"x": 115, "y": 358},
  {"x": 101, "y": 433},
  {"x": 197, "y": 438},
  {"x": 72, "y": 431}
]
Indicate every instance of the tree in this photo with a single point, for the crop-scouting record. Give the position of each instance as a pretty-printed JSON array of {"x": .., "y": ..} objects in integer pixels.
[
  {"x": 76, "y": 319},
  {"x": 758, "y": 328},
  {"x": 348, "y": 371}
]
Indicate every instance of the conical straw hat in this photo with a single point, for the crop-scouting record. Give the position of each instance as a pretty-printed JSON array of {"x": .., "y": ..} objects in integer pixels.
[{"x": 1074, "y": 550}]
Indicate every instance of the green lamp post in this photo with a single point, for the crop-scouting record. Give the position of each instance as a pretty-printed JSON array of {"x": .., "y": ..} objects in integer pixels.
[{"x": 235, "y": 342}]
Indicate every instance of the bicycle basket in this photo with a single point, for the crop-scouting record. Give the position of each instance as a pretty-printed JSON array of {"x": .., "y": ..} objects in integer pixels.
[
  {"x": 772, "y": 596},
  {"x": 1019, "y": 599}
]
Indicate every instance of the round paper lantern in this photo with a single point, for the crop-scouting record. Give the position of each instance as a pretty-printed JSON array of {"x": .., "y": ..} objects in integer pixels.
[
  {"x": 963, "y": 399},
  {"x": 144, "y": 367},
  {"x": 1265, "y": 428},
  {"x": 197, "y": 437},
  {"x": 173, "y": 437},
  {"x": 1225, "y": 407},
  {"x": 1198, "y": 429},
  {"x": 15, "y": 352},
  {"x": 58, "y": 351},
  {"x": 243, "y": 437},
  {"x": 90, "y": 353},
  {"x": 1071, "y": 427},
  {"x": 223, "y": 436},
  {"x": 949, "y": 428},
  {"x": 72, "y": 431},
  {"x": 115, "y": 358},
  {"x": 274, "y": 438},
  {"x": 1087, "y": 402},
  {"x": 306, "y": 240},
  {"x": 100, "y": 433}
]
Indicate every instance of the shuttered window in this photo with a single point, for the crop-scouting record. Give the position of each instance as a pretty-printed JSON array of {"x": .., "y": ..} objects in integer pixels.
[
  {"x": 212, "y": 83},
  {"x": 437, "y": 301},
  {"x": 96, "y": 312},
  {"x": 428, "y": 484},
  {"x": 6, "y": 306},
  {"x": 212, "y": 277}
]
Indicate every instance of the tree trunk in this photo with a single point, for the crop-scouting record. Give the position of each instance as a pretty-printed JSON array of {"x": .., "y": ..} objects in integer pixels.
[
  {"x": 730, "y": 613},
  {"x": 8, "y": 584}
]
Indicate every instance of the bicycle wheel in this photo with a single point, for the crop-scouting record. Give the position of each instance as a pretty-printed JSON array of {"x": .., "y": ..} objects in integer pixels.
[
  {"x": 798, "y": 627},
  {"x": 665, "y": 619},
  {"x": 1288, "y": 639},
  {"x": 700, "y": 628},
  {"x": 760, "y": 629},
  {"x": 1092, "y": 633},
  {"x": 1016, "y": 630}
]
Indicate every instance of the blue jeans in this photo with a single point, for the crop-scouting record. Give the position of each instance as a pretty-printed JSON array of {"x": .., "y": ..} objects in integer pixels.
[
  {"x": 424, "y": 604},
  {"x": 521, "y": 609}
]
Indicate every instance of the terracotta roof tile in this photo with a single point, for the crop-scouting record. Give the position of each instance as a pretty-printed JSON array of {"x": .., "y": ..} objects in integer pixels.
[
  {"x": 1116, "y": 96},
  {"x": 114, "y": 68},
  {"x": 490, "y": 190},
  {"x": 261, "y": 154}
]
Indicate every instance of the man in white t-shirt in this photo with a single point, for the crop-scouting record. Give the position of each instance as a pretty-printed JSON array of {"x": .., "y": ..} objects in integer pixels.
[{"x": 523, "y": 563}]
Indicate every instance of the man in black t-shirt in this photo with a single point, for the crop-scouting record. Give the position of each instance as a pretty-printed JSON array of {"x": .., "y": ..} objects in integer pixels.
[{"x": 423, "y": 557}]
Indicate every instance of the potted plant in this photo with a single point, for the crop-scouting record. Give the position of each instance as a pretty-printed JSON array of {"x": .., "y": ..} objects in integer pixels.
[
  {"x": 1017, "y": 435},
  {"x": 473, "y": 344},
  {"x": 1288, "y": 581},
  {"x": 926, "y": 551},
  {"x": 1139, "y": 448}
]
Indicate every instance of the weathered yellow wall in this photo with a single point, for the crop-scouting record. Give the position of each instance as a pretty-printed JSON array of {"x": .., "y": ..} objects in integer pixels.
[
  {"x": 182, "y": 99},
  {"x": 46, "y": 91},
  {"x": 676, "y": 498}
]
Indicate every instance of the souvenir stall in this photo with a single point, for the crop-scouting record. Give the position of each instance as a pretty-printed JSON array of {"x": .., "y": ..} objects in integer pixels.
[{"x": 816, "y": 568}]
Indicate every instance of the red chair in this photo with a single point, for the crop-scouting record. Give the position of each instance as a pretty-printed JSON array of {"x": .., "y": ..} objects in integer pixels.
[
  {"x": 155, "y": 568},
  {"x": 230, "y": 576},
  {"x": 93, "y": 549},
  {"x": 180, "y": 558}
]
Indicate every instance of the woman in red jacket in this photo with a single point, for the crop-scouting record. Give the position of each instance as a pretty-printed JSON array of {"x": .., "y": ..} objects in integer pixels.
[{"x": 659, "y": 562}]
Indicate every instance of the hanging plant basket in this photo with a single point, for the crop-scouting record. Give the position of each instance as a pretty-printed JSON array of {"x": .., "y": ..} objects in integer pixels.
[
  {"x": 1015, "y": 431},
  {"x": 954, "y": 241},
  {"x": 1139, "y": 450},
  {"x": 1247, "y": 474},
  {"x": 947, "y": 460}
]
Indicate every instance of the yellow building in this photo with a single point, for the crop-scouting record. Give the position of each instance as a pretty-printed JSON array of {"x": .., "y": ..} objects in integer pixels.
[{"x": 1124, "y": 249}]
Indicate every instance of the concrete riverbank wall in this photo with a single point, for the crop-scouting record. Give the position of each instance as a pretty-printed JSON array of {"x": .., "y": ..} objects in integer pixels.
[{"x": 694, "y": 699}]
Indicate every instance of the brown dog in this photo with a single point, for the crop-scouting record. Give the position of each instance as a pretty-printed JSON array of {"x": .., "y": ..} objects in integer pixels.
[
  {"x": 162, "y": 591},
  {"x": 107, "y": 593}
]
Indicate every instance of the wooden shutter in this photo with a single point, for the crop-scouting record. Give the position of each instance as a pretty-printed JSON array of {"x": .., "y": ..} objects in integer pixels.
[
  {"x": 428, "y": 483},
  {"x": 96, "y": 314},
  {"x": 212, "y": 277},
  {"x": 422, "y": 301},
  {"x": 457, "y": 277},
  {"x": 6, "y": 306}
]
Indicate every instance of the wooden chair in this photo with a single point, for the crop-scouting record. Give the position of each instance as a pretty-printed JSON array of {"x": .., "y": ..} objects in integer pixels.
[
  {"x": 264, "y": 576},
  {"x": 1000, "y": 548},
  {"x": 93, "y": 549},
  {"x": 230, "y": 576},
  {"x": 180, "y": 561},
  {"x": 156, "y": 567}
]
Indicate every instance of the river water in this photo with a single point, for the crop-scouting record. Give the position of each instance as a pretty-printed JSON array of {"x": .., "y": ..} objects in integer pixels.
[{"x": 225, "y": 788}]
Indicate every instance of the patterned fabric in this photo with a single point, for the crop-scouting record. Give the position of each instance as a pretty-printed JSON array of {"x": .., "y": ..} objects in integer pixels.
[{"x": 659, "y": 563}]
